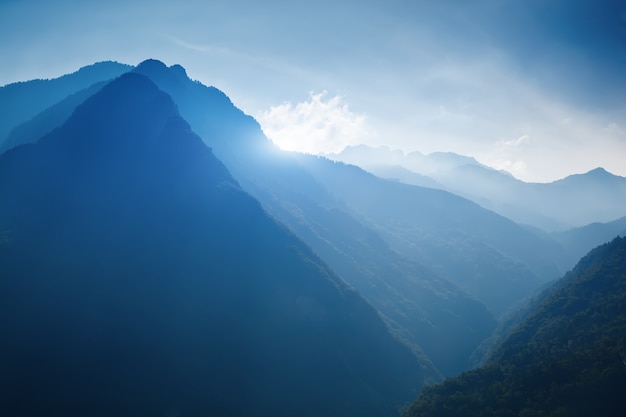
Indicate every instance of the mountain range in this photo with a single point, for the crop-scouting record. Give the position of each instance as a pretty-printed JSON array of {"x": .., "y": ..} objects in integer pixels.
[
  {"x": 139, "y": 279},
  {"x": 413, "y": 300},
  {"x": 144, "y": 214},
  {"x": 575, "y": 201}
]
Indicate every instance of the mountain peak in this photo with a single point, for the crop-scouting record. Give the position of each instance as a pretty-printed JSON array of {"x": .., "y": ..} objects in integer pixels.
[
  {"x": 152, "y": 64},
  {"x": 131, "y": 123},
  {"x": 161, "y": 73},
  {"x": 596, "y": 175},
  {"x": 130, "y": 103},
  {"x": 599, "y": 172},
  {"x": 172, "y": 280},
  {"x": 179, "y": 71}
]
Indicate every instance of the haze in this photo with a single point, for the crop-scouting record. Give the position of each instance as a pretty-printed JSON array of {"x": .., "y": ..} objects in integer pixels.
[{"x": 532, "y": 87}]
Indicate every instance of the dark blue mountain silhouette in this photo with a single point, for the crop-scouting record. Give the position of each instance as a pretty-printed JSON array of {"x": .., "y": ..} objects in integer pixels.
[
  {"x": 498, "y": 262},
  {"x": 21, "y": 101},
  {"x": 427, "y": 310},
  {"x": 45, "y": 121},
  {"x": 424, "y": 309},
  {"x": 274, "y": 178},
  {"x": 139, "y": 279}
]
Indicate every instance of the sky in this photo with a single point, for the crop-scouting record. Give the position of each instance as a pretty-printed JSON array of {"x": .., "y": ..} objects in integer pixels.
[{"x": 534, "y": 87}]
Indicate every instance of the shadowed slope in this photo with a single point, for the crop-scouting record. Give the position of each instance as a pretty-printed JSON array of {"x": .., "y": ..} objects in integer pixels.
[
  {"x": 428, "y": 311},
  {"x": 567, "y": 358},
  {"x": 138, "y": 279},
  {"x": 19, "y": 102}
]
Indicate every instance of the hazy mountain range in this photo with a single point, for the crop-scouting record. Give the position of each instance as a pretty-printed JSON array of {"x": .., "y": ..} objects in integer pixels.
[
  {"x": 147, "y": 220},
  {"x": 575, "y": 201}
]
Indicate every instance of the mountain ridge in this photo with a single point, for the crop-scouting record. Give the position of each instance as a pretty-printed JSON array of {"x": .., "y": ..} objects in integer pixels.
[
  {"x": 384, "y": 262},
  {"x": 141, "y": 280},
  {"x": 17, "y": 106},
  {"x": 566, "y": 358},
  {"x": 573, "y": 201},
  {"x": 296, "y": 198}
]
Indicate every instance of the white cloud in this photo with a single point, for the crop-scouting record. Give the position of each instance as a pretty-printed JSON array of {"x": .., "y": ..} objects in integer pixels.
[
  {"x": 515, "y": 142},
  {"x": 320, "y": 124}
]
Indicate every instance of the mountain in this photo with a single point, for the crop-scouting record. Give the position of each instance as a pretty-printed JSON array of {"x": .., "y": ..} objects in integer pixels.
[
  {"x": 567, "y": 358},
  {"x": 575, "y": 201},
  {"x": 137, "y": 278},
  {"x": 431, "y": 280},
  {"x": 21, "y": 101},
  {"x": 45, "y": 121},
  {"x": 272, "y": 175},
  {"x": 580, "y": 240},
  {"x": 434, "y": 314},
  {"x": 420, "y": 307},
  {"x": 493, "y": 258}
]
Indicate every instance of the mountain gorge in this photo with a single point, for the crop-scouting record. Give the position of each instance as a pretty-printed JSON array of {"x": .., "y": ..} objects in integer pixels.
[
  {"x": 566, "y": 358},
  {"x": 139, "y": 279}
]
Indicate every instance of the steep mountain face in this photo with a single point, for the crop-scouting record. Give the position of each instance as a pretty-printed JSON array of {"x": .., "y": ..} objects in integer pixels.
[
  {"x": 567, "y": 358},
  {"x": 430, "y": 312},
  {"x": 575, "y": 201},
  {"x": 422, "y": 308},
  {"x": 50, "y": 118},
  {"x": 19, "y": 102},
  {"x": 138, "y": 279}
]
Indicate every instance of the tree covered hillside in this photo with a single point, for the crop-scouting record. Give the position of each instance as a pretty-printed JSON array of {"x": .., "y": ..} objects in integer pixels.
[{"x": 568, "y": 358}]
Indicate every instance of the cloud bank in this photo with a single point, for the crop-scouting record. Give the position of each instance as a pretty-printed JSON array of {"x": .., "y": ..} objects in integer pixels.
[{"x": 319, "y": 124}]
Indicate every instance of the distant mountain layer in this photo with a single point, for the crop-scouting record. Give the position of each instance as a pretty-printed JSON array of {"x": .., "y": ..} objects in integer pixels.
[
  {"x": 575, "y": 201},
  {"x": 19, "y": 102},
  {"x": 567, "y": 358},
  {"x": 580, "y": 240},
  {"x": 491, "y": 257},
  {"x": 137, "y": 278}
]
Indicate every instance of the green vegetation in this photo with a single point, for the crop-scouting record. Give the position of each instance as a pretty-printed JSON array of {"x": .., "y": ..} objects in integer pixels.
[{"x": 566, "y": 359}]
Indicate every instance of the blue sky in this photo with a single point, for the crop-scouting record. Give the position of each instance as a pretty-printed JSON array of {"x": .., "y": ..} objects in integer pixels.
[{"x": 536, "y": 87}]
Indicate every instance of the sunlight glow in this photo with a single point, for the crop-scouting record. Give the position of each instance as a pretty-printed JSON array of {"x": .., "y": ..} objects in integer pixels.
[{"x": 320, "y": 124}]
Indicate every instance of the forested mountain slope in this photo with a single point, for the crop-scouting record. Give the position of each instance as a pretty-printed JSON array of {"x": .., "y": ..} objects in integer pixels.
[{"x": 567, "y": 358}]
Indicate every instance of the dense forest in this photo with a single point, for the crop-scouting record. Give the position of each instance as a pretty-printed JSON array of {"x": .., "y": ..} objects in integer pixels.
[{"x": 567, "y": 358}]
